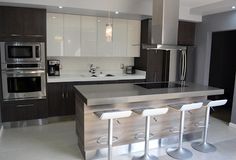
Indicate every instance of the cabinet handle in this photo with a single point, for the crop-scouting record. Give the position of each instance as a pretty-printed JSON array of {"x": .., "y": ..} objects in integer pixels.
[
  {"x": 155, "y": 77},
  {"x": 67, "y": 94},
  {"x": 34, "y": 35},
  {"x": 16, "y": 35},
  {"x": 63, "y": 95},
  {"x": 24, "y": 105},
  {"x": 135, "y": 45}
]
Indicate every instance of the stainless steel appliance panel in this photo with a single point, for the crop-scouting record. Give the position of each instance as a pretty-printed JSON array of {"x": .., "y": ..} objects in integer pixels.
[{"x": 23, "y": 84}]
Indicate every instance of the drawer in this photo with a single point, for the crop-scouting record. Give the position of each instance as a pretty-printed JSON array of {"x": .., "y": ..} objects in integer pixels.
[{"x": 24, "y": 110}]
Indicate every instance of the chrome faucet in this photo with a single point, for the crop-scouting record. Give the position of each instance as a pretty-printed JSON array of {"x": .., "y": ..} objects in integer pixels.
[{"x": 92, "y": 69}]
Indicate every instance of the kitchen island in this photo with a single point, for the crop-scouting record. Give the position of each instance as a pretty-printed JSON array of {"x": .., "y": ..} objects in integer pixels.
[{"x": 92, "y": 132}]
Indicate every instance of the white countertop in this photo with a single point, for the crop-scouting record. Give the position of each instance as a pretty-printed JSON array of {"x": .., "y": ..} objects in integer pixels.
[{"x": 85, "y": 76}]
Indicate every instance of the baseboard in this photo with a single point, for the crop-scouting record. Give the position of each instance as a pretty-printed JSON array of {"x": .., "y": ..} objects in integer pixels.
[{"x": 233, "y": 125}]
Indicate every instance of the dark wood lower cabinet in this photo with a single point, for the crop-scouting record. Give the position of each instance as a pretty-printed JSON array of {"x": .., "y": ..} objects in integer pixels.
[
  {"x": 61, "y": 96},
  {"x": 24, "y": 110}
]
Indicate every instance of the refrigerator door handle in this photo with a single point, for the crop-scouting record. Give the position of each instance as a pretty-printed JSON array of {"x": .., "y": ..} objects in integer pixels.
[
  {"x": 182, "y": 66},
  {"x": 185, "y": 65}
]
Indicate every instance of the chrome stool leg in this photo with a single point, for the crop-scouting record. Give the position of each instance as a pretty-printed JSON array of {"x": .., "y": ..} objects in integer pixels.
[
  {"x": 180, "y": 152},
  {"x": 146, "y": 155},
  {"x": 110, "y": 138},
  {"x": 204, "y": 146}
]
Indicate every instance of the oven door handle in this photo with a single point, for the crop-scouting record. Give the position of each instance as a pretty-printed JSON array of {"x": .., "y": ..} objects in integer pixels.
[{"x": 24, "y": 72}]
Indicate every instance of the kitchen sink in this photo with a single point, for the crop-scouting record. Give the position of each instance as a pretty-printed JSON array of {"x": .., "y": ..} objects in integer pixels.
[{"x": 103, "y": 75}]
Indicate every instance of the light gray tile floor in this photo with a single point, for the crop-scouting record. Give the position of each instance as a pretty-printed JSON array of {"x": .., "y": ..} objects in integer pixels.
[{"x": 58, "y": 141}]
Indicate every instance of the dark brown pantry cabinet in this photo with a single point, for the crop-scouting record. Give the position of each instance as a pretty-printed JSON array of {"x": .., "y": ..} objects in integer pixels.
[
  {"x": 186, "y": 33},
  {"x": 22, "y": 24}
]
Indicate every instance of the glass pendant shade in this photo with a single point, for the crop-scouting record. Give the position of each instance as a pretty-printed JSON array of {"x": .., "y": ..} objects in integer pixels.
[{"x": 109, "y": 32}]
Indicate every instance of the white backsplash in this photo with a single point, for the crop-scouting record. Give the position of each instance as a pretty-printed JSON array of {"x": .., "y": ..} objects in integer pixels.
[{"x": 77, "y": 64}]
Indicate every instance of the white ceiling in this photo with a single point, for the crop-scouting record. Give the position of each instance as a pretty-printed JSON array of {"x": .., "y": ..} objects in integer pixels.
[
  {"x": 197, "y": 3},
  {"x": 190, "y": 10}
]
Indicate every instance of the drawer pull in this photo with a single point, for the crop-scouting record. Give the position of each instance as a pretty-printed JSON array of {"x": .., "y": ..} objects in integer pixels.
[{"x": 25, "y": 105}]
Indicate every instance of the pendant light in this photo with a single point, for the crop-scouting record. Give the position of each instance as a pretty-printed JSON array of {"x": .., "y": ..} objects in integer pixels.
[{"x": 109, "y": 29}]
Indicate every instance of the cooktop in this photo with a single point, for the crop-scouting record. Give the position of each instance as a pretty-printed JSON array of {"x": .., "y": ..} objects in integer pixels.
[{"x": 160, "y": 85}]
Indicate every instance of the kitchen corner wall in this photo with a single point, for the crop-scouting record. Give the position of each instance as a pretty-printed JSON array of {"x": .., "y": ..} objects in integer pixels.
[
  {"x": 69, "y": 64},
  {"x": 212, "y": 23}
]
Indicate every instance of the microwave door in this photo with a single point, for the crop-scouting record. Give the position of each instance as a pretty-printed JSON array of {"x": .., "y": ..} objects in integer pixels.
[{"x": 19, "y": 53}]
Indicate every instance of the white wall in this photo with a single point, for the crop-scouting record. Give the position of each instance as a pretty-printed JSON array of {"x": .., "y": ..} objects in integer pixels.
[{"x": 81, "y": 64}]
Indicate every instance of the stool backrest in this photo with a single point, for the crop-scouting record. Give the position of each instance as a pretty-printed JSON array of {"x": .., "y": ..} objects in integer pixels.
[
  {"x": 217, "y": 103},
  {"x": 192, "y": 106},
  {"x": 115, "y": 115},
  {"x": 154, "y": 112}
]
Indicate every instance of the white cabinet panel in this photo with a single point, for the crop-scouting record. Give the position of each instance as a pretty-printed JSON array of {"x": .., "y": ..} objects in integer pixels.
[
  {"x": 54, "y": 34},
  {"x": 104, "y": 48},
  {"x": 133, "y": 49},
  {"x": 88, "y": 36},
  {"x": 120, "y": 29},
  {"x": 71, "y": 35}
]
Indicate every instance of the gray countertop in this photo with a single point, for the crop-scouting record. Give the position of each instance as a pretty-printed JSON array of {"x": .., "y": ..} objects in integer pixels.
[{"x": 128, "y": 93}]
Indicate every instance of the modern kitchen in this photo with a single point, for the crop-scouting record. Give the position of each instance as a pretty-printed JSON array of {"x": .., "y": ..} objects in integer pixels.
[{"x": 117, "y": 79}]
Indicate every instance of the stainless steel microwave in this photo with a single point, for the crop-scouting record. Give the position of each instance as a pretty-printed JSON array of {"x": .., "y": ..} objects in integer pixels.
[{"x": 22, "y": 52}]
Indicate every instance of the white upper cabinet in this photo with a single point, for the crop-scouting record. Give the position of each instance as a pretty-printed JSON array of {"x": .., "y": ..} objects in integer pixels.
[
  {"x": 88, "y": 36},
  {"x": 54, "y": 34},
  {"x": 104, "y": 48},
  {"x": 71, "y": 35},
  {"x": 133, "y": 49},
  {"x": 120, "y": 30},
  {"x": 75, "y": 35}
]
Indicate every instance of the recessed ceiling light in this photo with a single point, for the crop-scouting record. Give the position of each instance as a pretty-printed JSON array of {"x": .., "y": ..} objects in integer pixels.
[
  {"x": 117, "y": 12},
  {"x": 60, "y": 7},
  {"x": 54, "y": 17},
  {"x": 233, "y": 7}
]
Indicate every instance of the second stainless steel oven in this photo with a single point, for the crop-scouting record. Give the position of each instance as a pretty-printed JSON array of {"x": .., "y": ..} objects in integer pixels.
[{"x": 23, "y": 84}]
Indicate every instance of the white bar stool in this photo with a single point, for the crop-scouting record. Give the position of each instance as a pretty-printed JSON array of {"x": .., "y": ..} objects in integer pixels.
[
  {"x": 148, "y": 112},
  {"x": 180, "y": 152},
  {"x": 203, "y": 146},
  {"x": 110, "y": 115}
]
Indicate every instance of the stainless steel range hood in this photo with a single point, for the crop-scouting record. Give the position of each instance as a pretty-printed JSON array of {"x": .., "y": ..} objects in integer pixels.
[{"x": 164, "y": 26}]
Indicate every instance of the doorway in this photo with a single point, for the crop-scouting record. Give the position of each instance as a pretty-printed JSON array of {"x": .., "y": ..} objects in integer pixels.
[{"x": 222, "y": 70}]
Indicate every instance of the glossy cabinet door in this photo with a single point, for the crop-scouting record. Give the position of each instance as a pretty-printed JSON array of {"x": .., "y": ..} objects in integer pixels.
[
  {"x": 120, "y": 30},
  {"x": 88, "y": 36},
  {"x": 104, "y": 48},
  {"x": 71, "y": 35},
  {"x": 133, "y": 49},
  {"x": 55, "y": 34}
]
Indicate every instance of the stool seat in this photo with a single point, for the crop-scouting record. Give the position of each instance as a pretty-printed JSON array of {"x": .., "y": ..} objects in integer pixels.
[
  {"x": 186, "y": 107},
  {"x": 217, "y": 103},
  {"x": 112, "y": 114},
  {"x": 203, "y": 146},
  {"x": 148, "y": 111}
]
